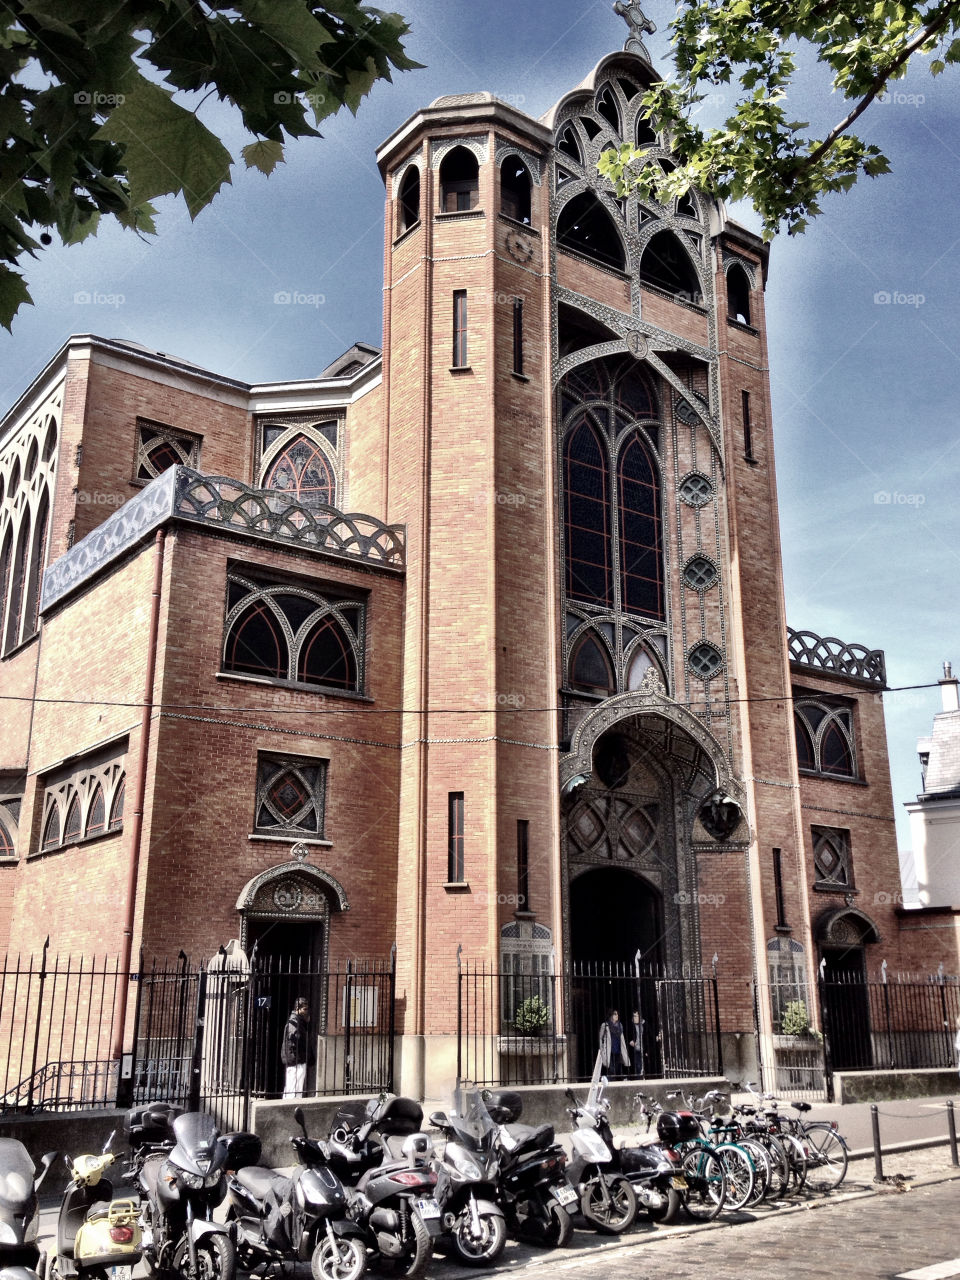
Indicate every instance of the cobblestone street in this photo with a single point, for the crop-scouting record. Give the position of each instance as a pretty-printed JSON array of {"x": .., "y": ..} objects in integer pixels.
[{"x": 858, "y": 1235}]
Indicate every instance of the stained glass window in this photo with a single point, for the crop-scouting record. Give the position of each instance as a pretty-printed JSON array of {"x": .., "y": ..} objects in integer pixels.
[
  {"x": 303, "y": 472},
  {"x": 587, "y": 501},
  {"x": 290, "y": 795}
]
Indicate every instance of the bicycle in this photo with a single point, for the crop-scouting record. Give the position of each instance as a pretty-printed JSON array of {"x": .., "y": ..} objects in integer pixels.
[
  {"x": 702, "y": 1171},
  {"x": 825, "y": 1149}
]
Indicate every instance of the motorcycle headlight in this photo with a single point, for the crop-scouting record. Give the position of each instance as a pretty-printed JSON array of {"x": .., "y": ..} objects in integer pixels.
[
  {"x": 192, "y": 1180},
  {"x": 7, "y": 1234},
  {"x": 462, "y": 1163},
  {"x": 212, "y": 1179}
]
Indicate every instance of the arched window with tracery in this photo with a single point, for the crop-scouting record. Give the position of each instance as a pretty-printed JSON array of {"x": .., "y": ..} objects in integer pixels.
[
  {"x": 587, "y": 516},
  {"x": 293, "y": 634},
  {"x": 825, "y": 737},
  {"x": 667, "y": 265},
  {"x": 641, "y": 552},
  {"x": 302, "y": 472},
  {"x": 38, "y": 551},
  {"x": 738, "y": 294},
  {"x": 96, "y": 813},
  {"x": 590, "y": 667},
  {"x": 613, "y": 519},
  {"x": 586, "y": 227}
]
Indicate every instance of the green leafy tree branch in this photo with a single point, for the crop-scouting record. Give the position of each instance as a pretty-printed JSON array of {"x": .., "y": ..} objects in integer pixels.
[
  {"x": 93, "y": 127},
  {"x": 760, "y": 153}
]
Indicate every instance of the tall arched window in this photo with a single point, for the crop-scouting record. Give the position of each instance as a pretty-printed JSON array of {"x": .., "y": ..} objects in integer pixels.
[
  {"x": 590, "y": 667},
  {"x": 515, "y": 188},
  {"x": 666, "y": 264},
  {"x": 587, "y": 516},
  {"x": 6, "y": 566},
  {"x": 738, "y": 294},
  {"x": 613, "y": 542},
  {"x": 409, "y": 200},
  {"x": 459, "y": 181},
  {"x": 38, "y": 552},
  {"x": 303, "y": 472},
  {"x": 641, "y": 555},
  {"x": 18, "y": 585},
  {"x": 586, "y": 227}
]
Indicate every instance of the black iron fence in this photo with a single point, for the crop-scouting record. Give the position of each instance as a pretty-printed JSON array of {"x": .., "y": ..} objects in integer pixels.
[
  {"x": 205, "y": 1036},
  {"x": 544, "y": 1025},
  {"x": 890, "y": 1024}
]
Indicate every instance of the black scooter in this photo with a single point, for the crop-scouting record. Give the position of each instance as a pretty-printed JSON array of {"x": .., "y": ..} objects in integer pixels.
[
  {"x": 537, "y": 1200},
  {"x": 297, "y": 1219},
  {"x": 180, "y": 1191},
  {"x": 20, "y": 1257},
  {"x": 379, "y": 1152}
]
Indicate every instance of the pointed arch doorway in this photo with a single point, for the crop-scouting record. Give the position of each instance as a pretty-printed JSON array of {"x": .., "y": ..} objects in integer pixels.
[{"x": 615, "y": 914}]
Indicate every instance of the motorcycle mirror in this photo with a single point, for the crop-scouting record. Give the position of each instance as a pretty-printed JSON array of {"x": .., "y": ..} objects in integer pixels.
[
  {"x": 439, "y": 1119},
  {"x": 45, "y": 1162},
  {"x": 106, "y": 1145},
  {"x": 604, "y": 1081},
  {"x": 298, "y": 1117}
]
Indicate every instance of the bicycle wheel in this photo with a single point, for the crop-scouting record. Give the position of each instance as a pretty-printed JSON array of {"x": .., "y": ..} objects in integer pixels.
[
  {"x": 826, "y": 1157},
  {"x": 779, "y": 1166},
  {"x": 739, "y": 1172},
  {"x": 797, "y": 1159},
  {"x": 762, "y": 1170},
  {"x": 706, "y": 1188}
]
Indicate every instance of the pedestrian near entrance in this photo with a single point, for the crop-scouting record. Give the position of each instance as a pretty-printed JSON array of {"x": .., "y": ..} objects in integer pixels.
[
  {"x": 613, "y": 1046},
  {"x": 636, "y": 1044},
  {"x": 296, "y": 1051}
]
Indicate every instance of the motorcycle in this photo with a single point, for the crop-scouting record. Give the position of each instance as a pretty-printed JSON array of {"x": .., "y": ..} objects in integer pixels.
[
  {"x": 97, "y": 1236},
  {"x": 298, "y": 1218},
  {"x": 537, "y": 1200},
  {"x": 181, "y": 1188},
  {"x": 607, "y": 1198},
  {"x": 379, "y": 1153},
  {"x": 20, "y": 1257},
  {"x": 467, "y": 1176}
]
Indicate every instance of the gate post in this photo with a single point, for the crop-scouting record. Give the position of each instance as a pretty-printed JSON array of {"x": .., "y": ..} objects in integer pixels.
[
  {"x": 126, "y": 1078},
  {"x": 716, "y": 1018},
  {"x": 392, "y": 1019},
  {"x": 347, "y": 1028},
  {"x": 459, "y": 1012},
  {"x": 36, "y": 1028},
  {"x": 196, "y": 1065},
  {"x": 827, "y": 1032}
]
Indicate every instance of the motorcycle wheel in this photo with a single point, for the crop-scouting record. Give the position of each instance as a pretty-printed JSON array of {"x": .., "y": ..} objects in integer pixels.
[
  {"x": 216, "y": 1259},
  {"x": 560, "y": 1227},
  {"x": 667, "y": 1211},
  {"x": 492, "y": 1242},
  {"x": 615, "y": 1216},
  {"x": 421, "y": 1249},
  {"x": 344, "y": 1258}
]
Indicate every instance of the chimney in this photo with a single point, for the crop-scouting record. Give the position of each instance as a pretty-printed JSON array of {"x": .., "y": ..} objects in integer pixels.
[{"x": 950, "y": 689}]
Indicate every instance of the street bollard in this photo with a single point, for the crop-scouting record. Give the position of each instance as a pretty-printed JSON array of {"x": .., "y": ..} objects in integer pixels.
[
  {"x": 877, "y": 1153},
  {"x": 952, "y": 1126}
]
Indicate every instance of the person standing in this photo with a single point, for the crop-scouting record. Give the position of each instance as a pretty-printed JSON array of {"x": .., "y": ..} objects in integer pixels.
[
  {"x": 636, "y": 1044},
  {"x": 613, "y": 1048},
  {"x": 296, "y": 1050}
]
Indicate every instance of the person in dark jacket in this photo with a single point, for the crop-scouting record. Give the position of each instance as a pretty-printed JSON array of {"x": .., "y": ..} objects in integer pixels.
[
  {"x": 296, "y": 1050},
  {"x": 613, "y": 1047}
]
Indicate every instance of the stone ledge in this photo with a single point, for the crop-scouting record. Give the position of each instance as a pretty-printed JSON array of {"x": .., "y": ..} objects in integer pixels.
[{"x": 886, "y": 1086}]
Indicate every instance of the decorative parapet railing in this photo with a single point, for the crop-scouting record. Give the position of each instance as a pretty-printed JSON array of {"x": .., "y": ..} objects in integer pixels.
[
  {"x": 221, "y": 504},
  {"x": 827, "y": 653}
]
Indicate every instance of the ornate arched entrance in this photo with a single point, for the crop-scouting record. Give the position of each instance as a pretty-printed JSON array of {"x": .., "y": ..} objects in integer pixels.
[
  {"x": 285, "y": 930},
  {"x": 842, "y": 934}
]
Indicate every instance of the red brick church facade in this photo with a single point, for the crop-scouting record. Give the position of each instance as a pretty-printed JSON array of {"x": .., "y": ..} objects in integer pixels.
[{"x": 540, "y": 697}]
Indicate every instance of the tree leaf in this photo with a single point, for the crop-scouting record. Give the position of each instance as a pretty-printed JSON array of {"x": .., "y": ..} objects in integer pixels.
[
  {"x": 264, "y": 155},
  {"x": 167, "y": 150},
  {"x": 13, "y": 294}
]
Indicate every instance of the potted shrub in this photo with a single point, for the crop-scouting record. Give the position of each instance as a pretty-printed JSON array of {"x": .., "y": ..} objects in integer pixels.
[{"x": 532, "y": 1017}]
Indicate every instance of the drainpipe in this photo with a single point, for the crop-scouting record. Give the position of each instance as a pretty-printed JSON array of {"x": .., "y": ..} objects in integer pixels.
[{"x": 133, "y": 868}]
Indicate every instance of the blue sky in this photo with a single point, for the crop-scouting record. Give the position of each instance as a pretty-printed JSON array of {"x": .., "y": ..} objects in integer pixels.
[{"x": 865, "y": 392}]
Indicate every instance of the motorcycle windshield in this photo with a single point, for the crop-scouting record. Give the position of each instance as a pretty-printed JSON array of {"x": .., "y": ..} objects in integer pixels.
[
  {"x": 471, "y": 1120},
  {"x": 198, "y": 1149},
  {"x": 596, "y": 1082},
  {"x": 16, "y": 1174}
]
